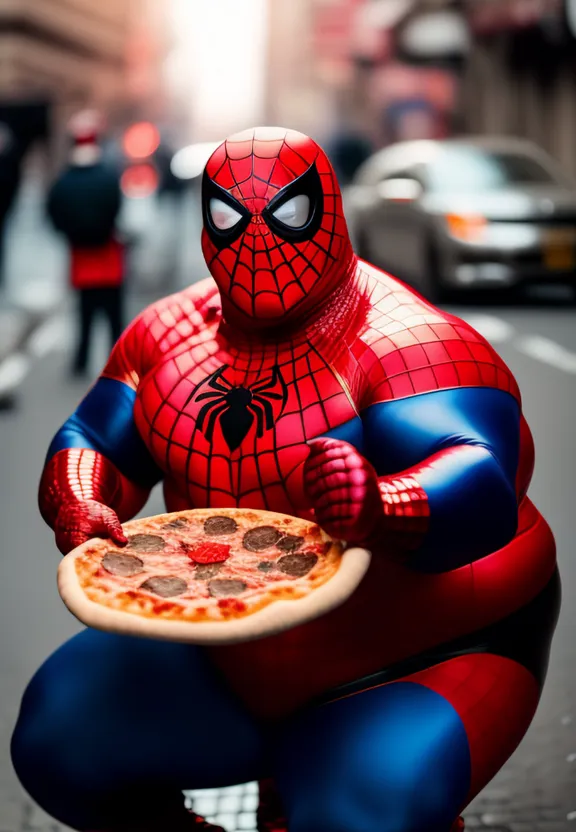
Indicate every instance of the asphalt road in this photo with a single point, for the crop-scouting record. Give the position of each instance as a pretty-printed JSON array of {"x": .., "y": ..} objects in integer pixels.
[{"x": 536, "y": 790}]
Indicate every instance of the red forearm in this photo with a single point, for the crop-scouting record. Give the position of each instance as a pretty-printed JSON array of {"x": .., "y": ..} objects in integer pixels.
[
  {"x": 405, "y": 512},
  {"x": 78, "y": 474},
  {"x": 351, "y": 502},
  {"x": 470, "y": 496}
]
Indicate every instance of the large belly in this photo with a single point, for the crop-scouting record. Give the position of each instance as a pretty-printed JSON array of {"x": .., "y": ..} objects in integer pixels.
[{"x": 395, "y": 613}]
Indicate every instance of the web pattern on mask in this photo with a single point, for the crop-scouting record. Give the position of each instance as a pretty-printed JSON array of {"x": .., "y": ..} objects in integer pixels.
[{"x": 260, "y": 268}]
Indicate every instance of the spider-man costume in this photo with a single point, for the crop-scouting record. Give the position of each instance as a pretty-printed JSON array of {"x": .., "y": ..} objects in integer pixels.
[{"x": 303, "y": 381}]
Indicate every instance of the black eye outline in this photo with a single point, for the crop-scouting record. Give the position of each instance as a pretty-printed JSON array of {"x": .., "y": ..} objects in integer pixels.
[
  {"x": 308, "y": 184},
  {"x": 222, "y": 238}
]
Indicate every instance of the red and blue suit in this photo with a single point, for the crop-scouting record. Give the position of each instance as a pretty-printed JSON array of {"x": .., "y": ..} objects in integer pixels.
[{"x": 301, "y": 380}]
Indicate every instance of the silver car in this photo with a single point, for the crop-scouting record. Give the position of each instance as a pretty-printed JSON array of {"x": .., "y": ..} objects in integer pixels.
[{"x": 465, "y": 214}]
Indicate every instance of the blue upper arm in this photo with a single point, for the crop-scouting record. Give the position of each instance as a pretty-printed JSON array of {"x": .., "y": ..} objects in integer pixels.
[
  {"x": 402, "y": 433},
  {"x": 104, "y": 422},
  {"x": 472, "y": 497}
]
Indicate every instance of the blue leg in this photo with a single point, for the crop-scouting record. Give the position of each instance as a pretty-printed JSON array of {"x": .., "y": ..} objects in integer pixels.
[
  {"x": 390, "y": 759},
  {"x": 112, "y": 728}
]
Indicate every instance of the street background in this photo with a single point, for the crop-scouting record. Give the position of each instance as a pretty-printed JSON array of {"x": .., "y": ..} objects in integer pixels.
[{"x": 381, "y": 70}]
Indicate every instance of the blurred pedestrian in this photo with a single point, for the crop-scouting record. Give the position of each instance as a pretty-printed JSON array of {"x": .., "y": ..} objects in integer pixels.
[
  {"x": 83, "y": 205},
  {"x": 10, "y": 173},
  {"x": 348, "y": 150}
]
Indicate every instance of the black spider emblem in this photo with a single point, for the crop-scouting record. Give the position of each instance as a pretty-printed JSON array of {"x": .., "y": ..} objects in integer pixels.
[{"x": 238, "y": 407}]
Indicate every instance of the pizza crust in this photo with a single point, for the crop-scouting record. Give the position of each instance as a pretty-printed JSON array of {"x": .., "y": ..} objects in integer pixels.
[{"x": 276, "y": 617}]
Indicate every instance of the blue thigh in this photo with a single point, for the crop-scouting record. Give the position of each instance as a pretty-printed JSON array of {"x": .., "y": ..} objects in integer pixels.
[
  {"x": 390, "y": 759},
  {"x": 108, "y": 720}
]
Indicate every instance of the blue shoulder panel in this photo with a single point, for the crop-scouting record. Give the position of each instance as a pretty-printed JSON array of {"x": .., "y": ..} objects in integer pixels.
[
  {"x": 351, "y": 432},
  {"x": 472, "y": 497},
  {"x": 104, "y": 422},
  {"x": 404, "y": 432}
]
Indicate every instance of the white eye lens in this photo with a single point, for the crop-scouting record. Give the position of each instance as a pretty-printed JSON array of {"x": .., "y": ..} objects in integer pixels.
[
  {"x": 223, "y": 216},
  {"x": 294, "y": 213}
]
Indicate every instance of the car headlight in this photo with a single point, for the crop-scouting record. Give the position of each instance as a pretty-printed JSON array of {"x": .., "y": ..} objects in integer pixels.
[{"x": 471, "y": 228}]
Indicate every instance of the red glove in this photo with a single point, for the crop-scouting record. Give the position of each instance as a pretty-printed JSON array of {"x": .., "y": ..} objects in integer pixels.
[
  {"x": 343, "y": 488},
  {"x": 79, "y": 520}
]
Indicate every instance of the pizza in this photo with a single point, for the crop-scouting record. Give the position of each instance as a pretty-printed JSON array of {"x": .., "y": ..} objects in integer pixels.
[{"x": 210, "y": 576}]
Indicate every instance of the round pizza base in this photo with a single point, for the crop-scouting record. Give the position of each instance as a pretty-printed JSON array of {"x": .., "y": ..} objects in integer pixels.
[{"x": 276, "y": 617}]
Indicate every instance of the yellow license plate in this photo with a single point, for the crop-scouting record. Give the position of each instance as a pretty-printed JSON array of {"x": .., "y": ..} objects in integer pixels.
[{"x": 560, "y": 251}]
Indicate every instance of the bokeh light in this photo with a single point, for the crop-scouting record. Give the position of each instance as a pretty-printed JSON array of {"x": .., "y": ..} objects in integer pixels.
[
  {"x": 141, "y": 140},
  {"x": 140, "y": 181}
]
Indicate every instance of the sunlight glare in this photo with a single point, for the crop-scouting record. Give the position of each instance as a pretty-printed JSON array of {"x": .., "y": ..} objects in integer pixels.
[{"x": 219, "y": 63}]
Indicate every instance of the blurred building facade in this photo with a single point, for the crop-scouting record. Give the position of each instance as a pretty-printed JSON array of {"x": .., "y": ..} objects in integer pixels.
[
  {"x": 59, "y": 56},
  {"x": 340, "y": 66},
  {"x": 413, "y": 66},
  {"x": 505, "y": 67},
  {"x": 520, "y": 77},
  {"x": 403, "y": 69},
  {"x": 304, "y": 56}
]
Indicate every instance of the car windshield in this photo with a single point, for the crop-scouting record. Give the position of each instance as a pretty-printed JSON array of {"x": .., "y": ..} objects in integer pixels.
[{"x": 470, "y": 169}]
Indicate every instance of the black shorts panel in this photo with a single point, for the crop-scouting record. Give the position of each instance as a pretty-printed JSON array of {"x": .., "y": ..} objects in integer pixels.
[{"x": 525, "y": 636}]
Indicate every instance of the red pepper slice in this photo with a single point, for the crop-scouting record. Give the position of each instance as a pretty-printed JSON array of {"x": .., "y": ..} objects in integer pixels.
[{"x": 208, "y": 552}]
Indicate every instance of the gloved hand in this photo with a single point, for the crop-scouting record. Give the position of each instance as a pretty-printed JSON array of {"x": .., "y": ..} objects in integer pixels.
[
  {"x": 343, "y": 488},
  {"x": 79, "y": 520}
]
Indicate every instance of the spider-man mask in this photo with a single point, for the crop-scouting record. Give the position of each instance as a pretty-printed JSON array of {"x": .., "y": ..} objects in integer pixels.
[{"x": 274, "y": 238}]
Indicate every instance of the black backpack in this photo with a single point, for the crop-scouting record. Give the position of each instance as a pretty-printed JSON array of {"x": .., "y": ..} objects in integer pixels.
[{"x": 83, "y": 204}]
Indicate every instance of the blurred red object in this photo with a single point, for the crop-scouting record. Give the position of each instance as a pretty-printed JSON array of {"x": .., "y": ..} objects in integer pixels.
[
  {"x": 498, "y": 15},
  {"x": 97, "y": 267},
  {"x": 140, "y": 181},
  {"x": 373, "y": 34},
  {"x": 141, "y": 140},
  {"x": 333, "y": 33},
  {"x": 86, "y": 127}
]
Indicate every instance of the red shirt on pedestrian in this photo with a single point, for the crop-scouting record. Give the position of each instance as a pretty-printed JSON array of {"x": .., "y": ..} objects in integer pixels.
[{"x": 97, "y": 268}]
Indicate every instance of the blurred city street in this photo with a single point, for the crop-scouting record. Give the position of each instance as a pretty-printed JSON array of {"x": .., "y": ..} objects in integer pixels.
[
  {"x": 451, "y": 125},
  {"x": 537, "y": 789}
]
